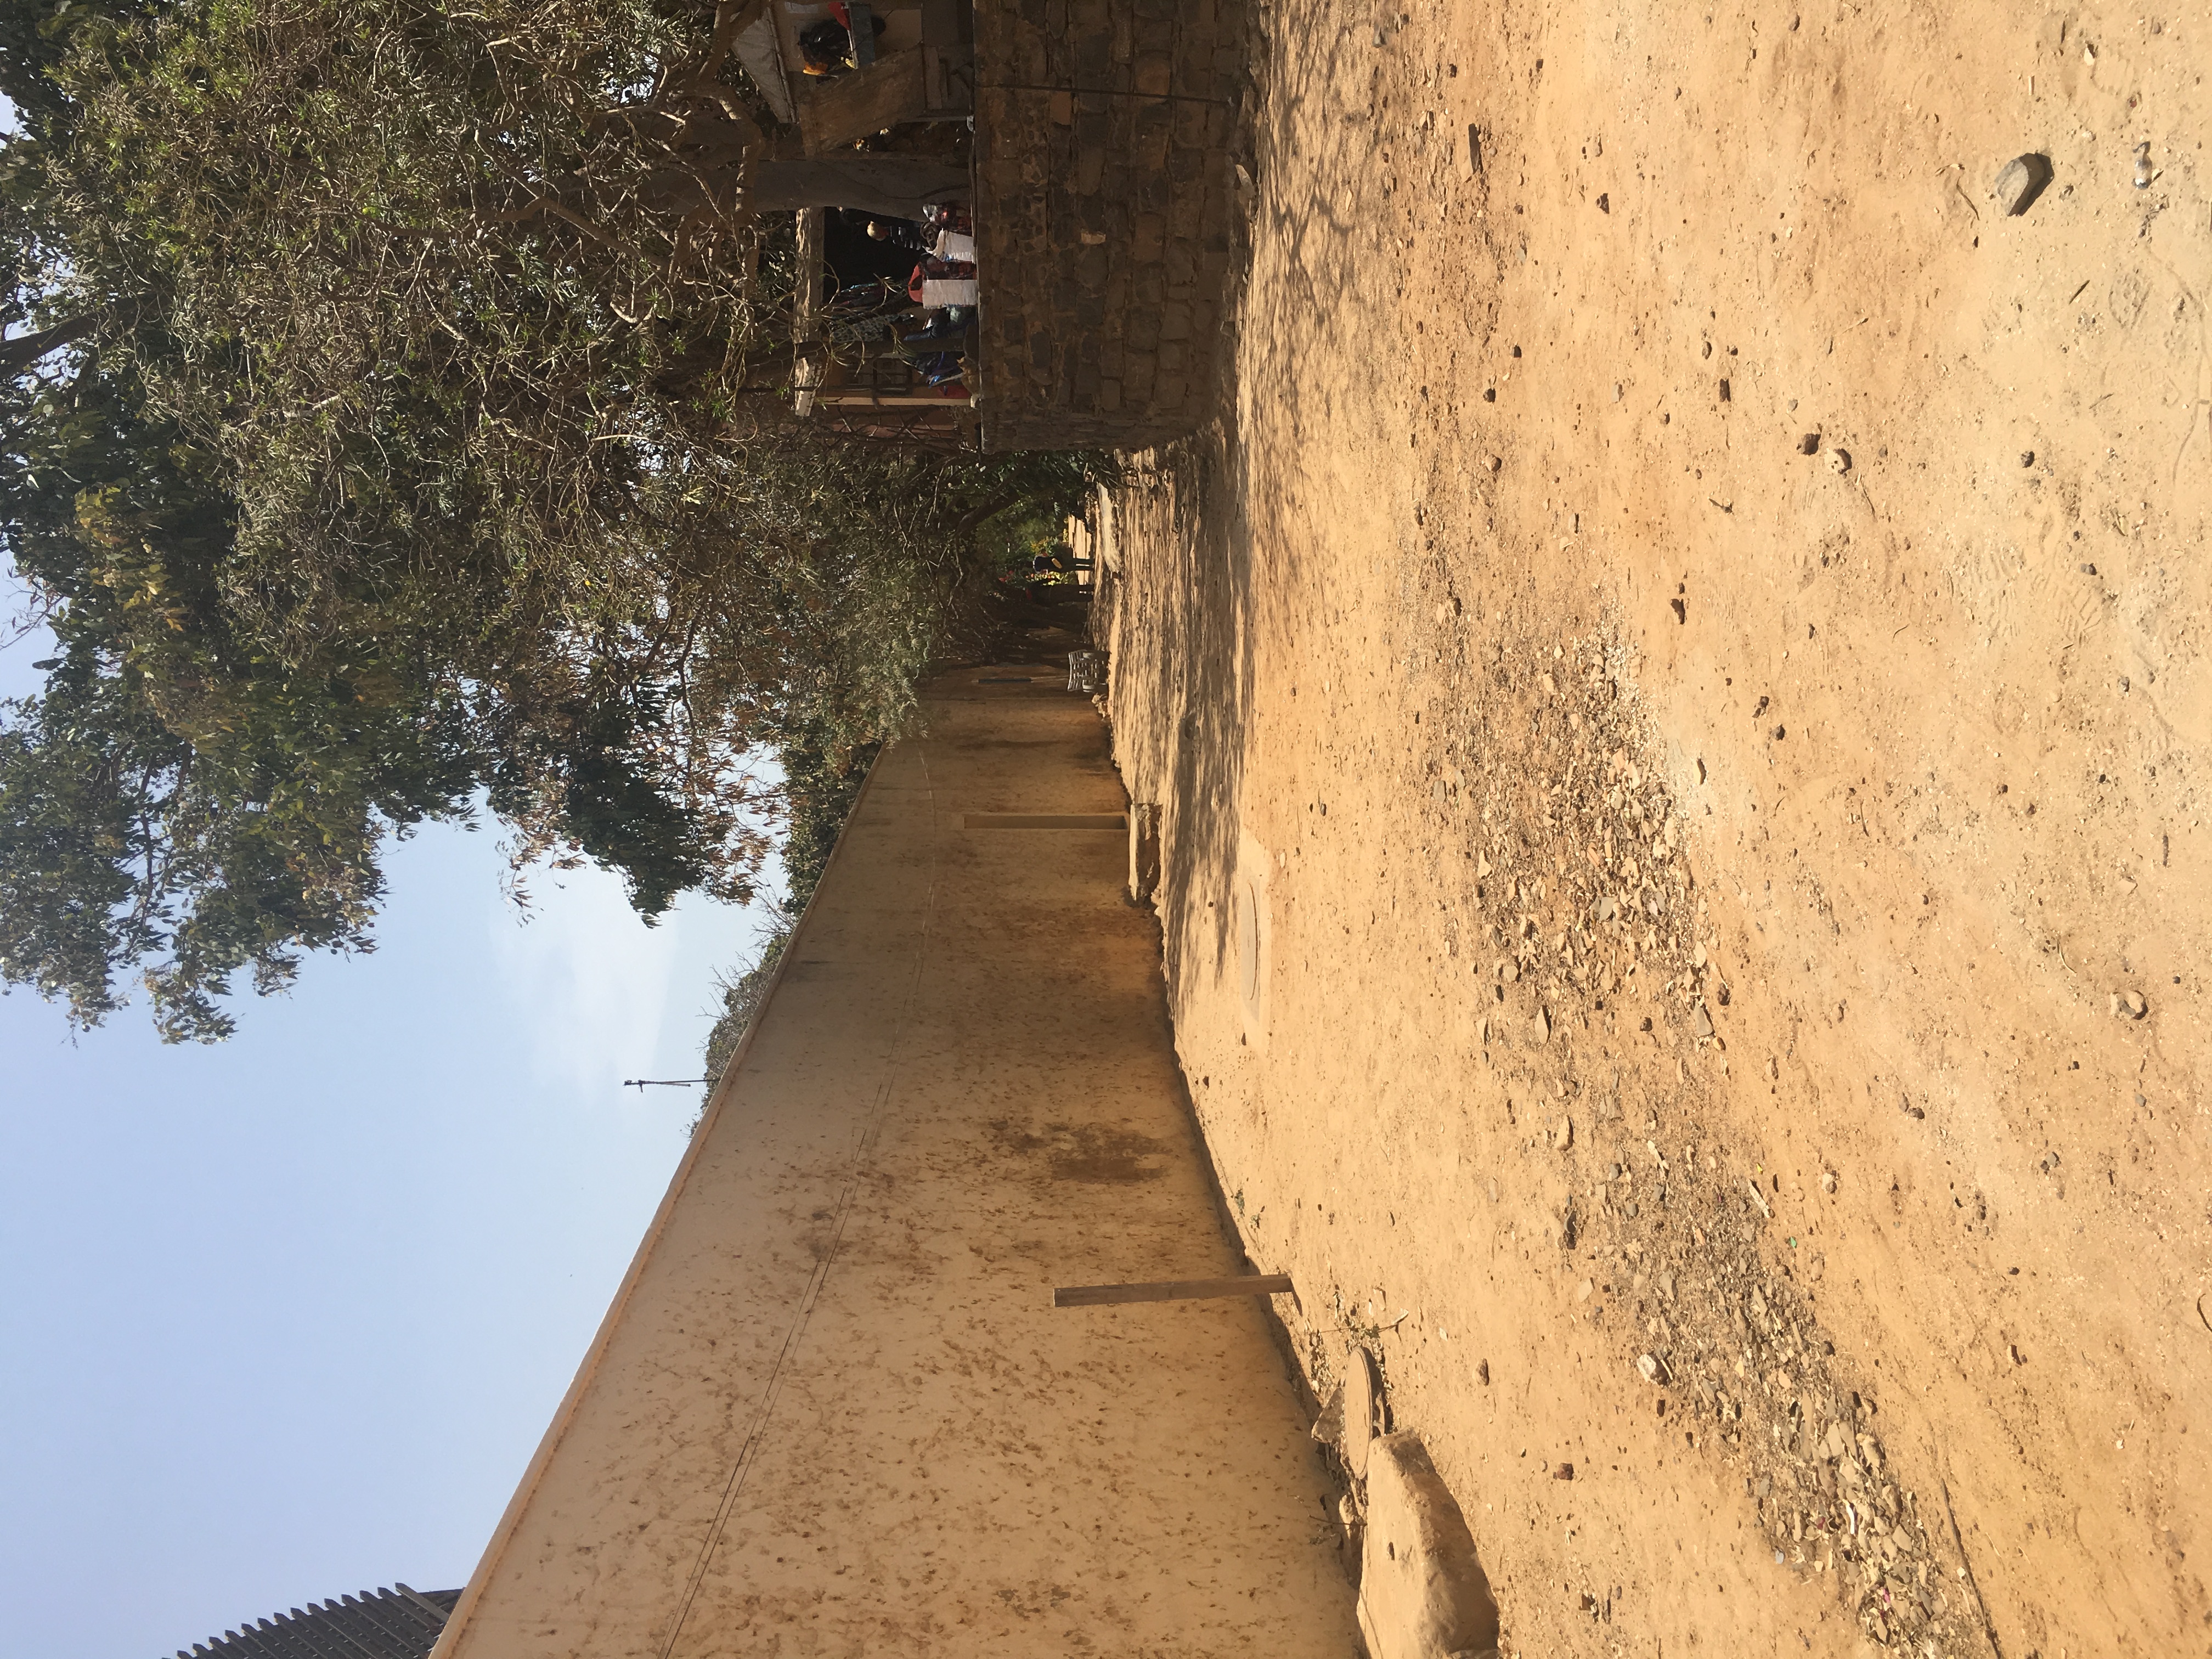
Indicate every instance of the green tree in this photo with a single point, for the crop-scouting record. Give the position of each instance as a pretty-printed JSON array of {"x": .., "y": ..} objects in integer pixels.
[{"x": 393, "y": 421}]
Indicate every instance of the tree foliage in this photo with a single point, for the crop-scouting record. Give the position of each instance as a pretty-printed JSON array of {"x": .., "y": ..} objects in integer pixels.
[{"x": 392, "y": 427}]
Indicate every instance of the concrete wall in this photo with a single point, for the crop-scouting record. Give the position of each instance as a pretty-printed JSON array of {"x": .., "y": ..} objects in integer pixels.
[
  {"x": 1105, "y": 200},
  {"x": 833, "y": 1410}
]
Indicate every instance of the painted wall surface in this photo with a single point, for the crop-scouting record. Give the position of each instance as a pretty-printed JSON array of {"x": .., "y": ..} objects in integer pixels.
[{"x": 833, "y": 1410}]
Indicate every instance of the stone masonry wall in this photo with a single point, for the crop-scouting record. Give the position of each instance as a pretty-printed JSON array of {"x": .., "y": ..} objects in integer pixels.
[{"x": 1104, "y": 207}]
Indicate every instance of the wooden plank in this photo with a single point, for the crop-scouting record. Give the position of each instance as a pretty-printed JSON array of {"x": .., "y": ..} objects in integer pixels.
[
  {"x": 836, "y": 111},
  {"x": 1173, "y": 1290},
  {"x": 1045, "y": 821},
  {"x": 863, "y": 397}
]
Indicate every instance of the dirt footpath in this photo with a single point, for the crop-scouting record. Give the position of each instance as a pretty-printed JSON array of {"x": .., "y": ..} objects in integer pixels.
[{"x": 1680, "y": 699}]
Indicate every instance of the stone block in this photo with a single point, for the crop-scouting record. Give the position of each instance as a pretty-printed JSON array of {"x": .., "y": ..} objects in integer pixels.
[
  {"x": 1155, "y": 73},
  {"x": 1423, "y": 1594},
  {"x": 1109, "y": 395},
  {"x": 1148, "y": 237},
  {"x": 1125, "y": 36}
]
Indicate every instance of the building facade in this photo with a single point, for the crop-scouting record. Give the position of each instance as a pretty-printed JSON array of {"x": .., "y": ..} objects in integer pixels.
[{"x": 835, "y": 1408}]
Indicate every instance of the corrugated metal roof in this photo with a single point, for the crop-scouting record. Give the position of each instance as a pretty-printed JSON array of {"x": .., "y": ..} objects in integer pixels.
[{"x": 398, "y": 1623}]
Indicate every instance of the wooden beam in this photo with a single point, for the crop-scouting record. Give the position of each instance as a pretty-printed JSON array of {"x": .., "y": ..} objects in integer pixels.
[
  {"x": 862, "y": 398},
  {"x": 888, "y": 93},
  {"x": 1045, "y": 821},
  {"x": 1175, "y": 1290}
]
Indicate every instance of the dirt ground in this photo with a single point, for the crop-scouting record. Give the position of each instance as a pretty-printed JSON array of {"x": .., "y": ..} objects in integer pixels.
[{"x": 1639, "y": 897}]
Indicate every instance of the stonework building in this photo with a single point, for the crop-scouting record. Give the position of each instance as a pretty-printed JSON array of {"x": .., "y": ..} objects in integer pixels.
[{"x": 1106, "y": 201}]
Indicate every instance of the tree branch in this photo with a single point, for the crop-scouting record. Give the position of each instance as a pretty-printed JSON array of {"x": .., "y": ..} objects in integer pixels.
[{"x": 20, "y": 353}]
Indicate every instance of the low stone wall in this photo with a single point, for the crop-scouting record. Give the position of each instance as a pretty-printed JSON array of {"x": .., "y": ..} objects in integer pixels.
[{"x": 1105, "y": 202}]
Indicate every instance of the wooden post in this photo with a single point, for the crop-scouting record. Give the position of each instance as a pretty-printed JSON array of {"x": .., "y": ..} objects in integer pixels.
[{"x": 1175, "y": 1290}]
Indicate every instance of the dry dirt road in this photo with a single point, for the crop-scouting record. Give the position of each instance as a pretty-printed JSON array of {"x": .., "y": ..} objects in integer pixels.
[{"x": 1679, "y": 694}]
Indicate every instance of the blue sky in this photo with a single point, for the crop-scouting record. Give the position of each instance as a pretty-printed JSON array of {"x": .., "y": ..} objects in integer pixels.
[{"x": 284, "y": 1318}]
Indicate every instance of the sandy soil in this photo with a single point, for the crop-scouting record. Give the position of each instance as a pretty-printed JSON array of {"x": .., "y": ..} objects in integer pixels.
[{"x": 1695, "y": 886}]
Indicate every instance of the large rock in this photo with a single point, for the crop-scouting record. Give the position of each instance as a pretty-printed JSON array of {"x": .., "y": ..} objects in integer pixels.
[{"x": 1423, "y": 1594}]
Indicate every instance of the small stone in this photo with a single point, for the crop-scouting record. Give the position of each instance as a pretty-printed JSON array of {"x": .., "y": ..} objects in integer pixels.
[
  {"x": 1329, "y": 1427},
  {"x": 1564, "y": 1472},
  {"x": 1839, "y": 461},
  {"x": 1698, "y": 957},
  {"x": 2129, "y": 1005},
  {"x": 1584, "y": 1291},
  {"x": 1482, "y": 1373},
  {"x": 1701, "y": 1023},
  {"x": 1381, "y": 38},
  {"x": 1810, "y": 444},
  {"x": 1827, "y": 1181},
  {"x": 1496, "y": 462},
  {"x": 2088, "y": 570},
  {"x": 2027, "y": 457},
  {"x": 1489, "y": 394},
  {"x": 1648, "y": 1368},
  {"x": 2022, "y": 180},
  {"x": 1563, "y": 1137}
]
